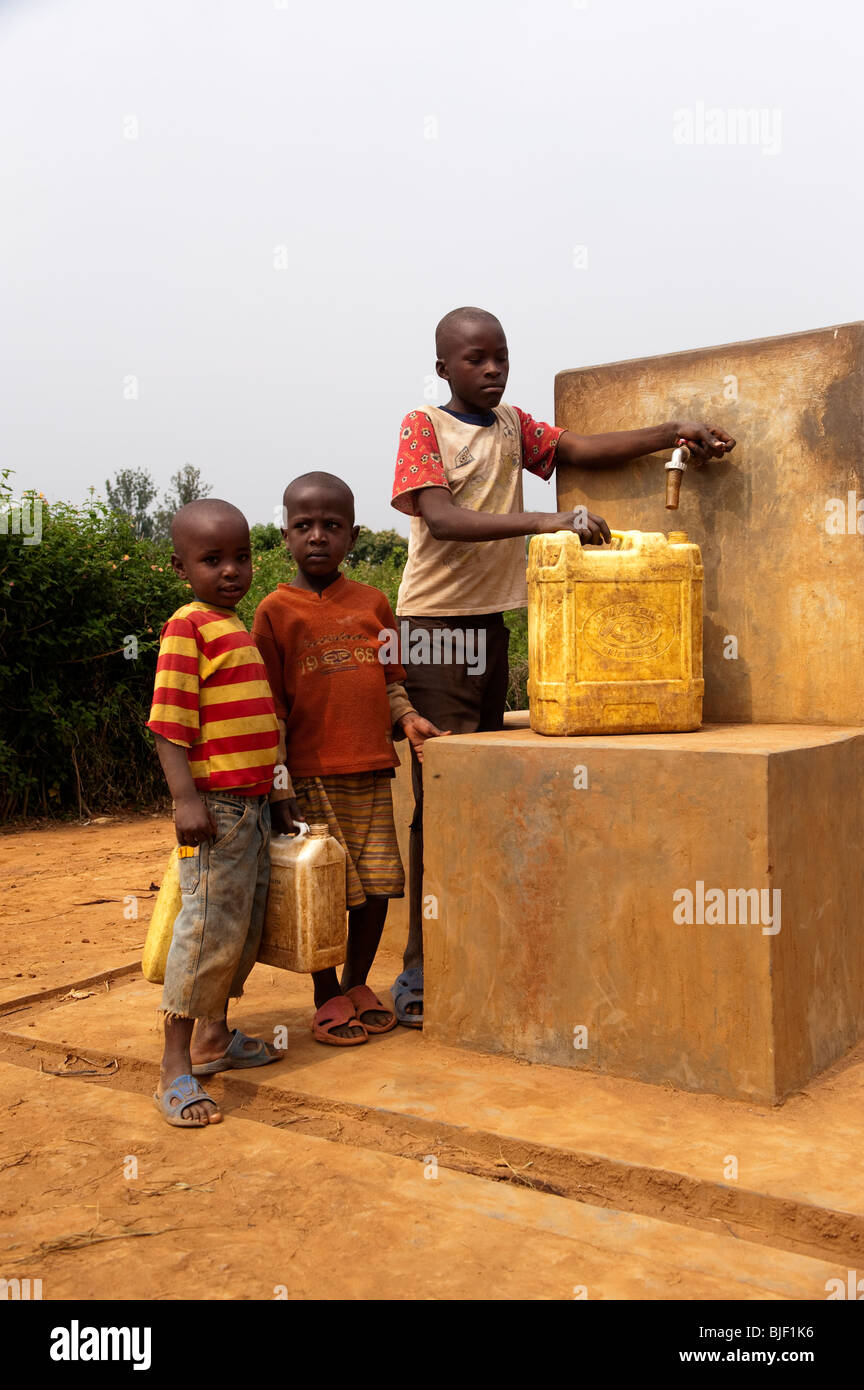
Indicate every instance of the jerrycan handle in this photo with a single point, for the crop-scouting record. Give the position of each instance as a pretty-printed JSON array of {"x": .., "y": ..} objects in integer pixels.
[{"x": 302, "y": 829}]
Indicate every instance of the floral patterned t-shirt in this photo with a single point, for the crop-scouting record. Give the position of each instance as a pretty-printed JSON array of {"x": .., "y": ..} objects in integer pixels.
[{"x": 479, "y": 459}]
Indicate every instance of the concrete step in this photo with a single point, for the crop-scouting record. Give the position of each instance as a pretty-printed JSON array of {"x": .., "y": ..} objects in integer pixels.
[
  {"x": 777, "y": 1175},
  {"x": 109, "y": 1202}
]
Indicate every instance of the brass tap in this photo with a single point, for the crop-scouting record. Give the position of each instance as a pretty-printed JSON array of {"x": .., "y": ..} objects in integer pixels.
[{"x": 675, "y": 470}]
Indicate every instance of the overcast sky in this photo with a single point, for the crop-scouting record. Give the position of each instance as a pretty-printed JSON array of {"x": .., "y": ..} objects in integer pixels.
[{"x": 255, "y": 213}]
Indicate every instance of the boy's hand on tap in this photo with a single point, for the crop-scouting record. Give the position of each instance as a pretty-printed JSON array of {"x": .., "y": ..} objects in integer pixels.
[{"x": 704, "y": 441}]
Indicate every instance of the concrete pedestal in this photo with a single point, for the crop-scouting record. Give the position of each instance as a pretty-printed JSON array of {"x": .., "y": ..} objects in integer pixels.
[
  {"x": 396, "y": 926},
  {"x": 561, "y": 869}
]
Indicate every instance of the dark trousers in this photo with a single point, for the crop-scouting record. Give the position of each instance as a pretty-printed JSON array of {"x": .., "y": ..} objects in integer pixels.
[{"x": 454, "y": 699}]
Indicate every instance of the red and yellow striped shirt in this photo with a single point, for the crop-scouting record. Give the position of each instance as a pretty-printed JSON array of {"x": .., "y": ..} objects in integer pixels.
[{"x": 212, "y": 696}]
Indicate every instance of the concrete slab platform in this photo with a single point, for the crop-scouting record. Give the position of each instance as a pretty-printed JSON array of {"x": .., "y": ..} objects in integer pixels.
[{"x": 784, "y": 1176}]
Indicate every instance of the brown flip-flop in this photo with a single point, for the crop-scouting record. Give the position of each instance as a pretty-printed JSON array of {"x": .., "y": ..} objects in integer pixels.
[
  {"x": 333, "y": 1014},
  {"x": 366, "y": 1001}
]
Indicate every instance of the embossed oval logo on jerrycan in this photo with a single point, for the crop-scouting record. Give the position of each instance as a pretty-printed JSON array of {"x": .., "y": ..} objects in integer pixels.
[{"x": 615, "y": 634}]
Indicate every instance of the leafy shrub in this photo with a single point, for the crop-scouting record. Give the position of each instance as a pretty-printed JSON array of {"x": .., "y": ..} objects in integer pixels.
[
  {"x": 517, "y": 689},
  {"x": 80, "y": 615},
  {"x": 265, "y": 536},
  {"x": 269, "y": 568},
  {"x": 377, "y": 548}
]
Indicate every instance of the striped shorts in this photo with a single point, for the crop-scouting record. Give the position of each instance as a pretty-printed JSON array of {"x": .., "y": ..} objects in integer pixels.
[{"x": 358, "y": 808}]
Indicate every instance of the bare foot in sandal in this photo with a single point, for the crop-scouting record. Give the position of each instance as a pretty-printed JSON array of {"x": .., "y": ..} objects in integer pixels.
[
  {"x": 183, "y": 1102},
  {"x": 216, "y": 1047},
  {"x": 181, "y": 1099},
  {"x": 336, "y": 1023},
  {"x": 375, "y": 1016},
  {"x": 328, "y": 991}
]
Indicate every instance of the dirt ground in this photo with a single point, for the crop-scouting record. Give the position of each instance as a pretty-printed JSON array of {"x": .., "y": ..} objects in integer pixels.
[
  {"x": 65, "y": 908},
  {"x": 398, "y": 1170}
]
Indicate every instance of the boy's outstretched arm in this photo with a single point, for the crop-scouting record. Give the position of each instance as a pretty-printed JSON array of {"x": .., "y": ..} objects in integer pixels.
[
  {"x": 603, "y": 450},
  {"x": 192, "y": 820},
  {"x": 449, "y": 522}
]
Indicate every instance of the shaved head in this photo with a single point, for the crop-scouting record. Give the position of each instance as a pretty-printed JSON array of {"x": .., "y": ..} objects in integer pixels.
[
  {"x": 199, "y": 519},
  {"x": 211, "y": 551},
  {"x": 453, "y": 325},
  {"x": 338, "y": 492}
]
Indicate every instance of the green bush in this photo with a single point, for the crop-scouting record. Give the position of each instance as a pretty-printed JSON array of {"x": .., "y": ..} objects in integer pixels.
[
  {"x": 517, "y": 690},
  {"x": 80, "y": 616},
  {"x": 265, "y": 536},
  {"x": 269, "y": 568},
  {"x": 378, "y": 547}
]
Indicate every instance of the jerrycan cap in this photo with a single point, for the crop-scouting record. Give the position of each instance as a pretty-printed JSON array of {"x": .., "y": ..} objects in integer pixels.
[{"x": 319, "y": 829}]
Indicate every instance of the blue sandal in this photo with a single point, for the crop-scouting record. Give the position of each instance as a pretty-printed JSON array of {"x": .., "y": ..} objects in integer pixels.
[
  {"x": 408, "y": 989},
  {"x": 236, "y": 1058},
  {"x": 187, "y": 1091}
]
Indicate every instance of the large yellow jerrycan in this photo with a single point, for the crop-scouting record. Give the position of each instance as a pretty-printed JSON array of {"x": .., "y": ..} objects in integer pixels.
[
  {"x": 306, "y": 927},
  {"x": 161, "y": 928},
  {"x": 615, "y": 634}
]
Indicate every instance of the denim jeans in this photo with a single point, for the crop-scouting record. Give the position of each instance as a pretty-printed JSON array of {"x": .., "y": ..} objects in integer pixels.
[{"x": 218, "y": 928}]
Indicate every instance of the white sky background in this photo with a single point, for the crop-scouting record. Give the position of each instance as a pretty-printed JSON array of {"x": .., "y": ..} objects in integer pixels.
[{"x": 306, "y": 127}]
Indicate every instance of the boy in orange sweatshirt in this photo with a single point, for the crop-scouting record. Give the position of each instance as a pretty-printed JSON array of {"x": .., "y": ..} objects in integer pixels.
[{"x": 324, "y": 642}]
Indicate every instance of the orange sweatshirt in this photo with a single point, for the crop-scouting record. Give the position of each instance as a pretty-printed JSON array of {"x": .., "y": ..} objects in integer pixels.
[{"x": 321, "y": 656}]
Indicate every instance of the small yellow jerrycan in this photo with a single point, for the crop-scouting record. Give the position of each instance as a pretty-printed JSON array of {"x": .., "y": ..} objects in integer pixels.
[
  {"x": 305, "y": 927},
  {"x": 161, "y": 928},
  {"x": 615, "y": 634}
]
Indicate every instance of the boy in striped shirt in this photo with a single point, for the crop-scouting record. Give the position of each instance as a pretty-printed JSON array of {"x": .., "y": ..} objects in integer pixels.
[{"x": 216, "y": 734}]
